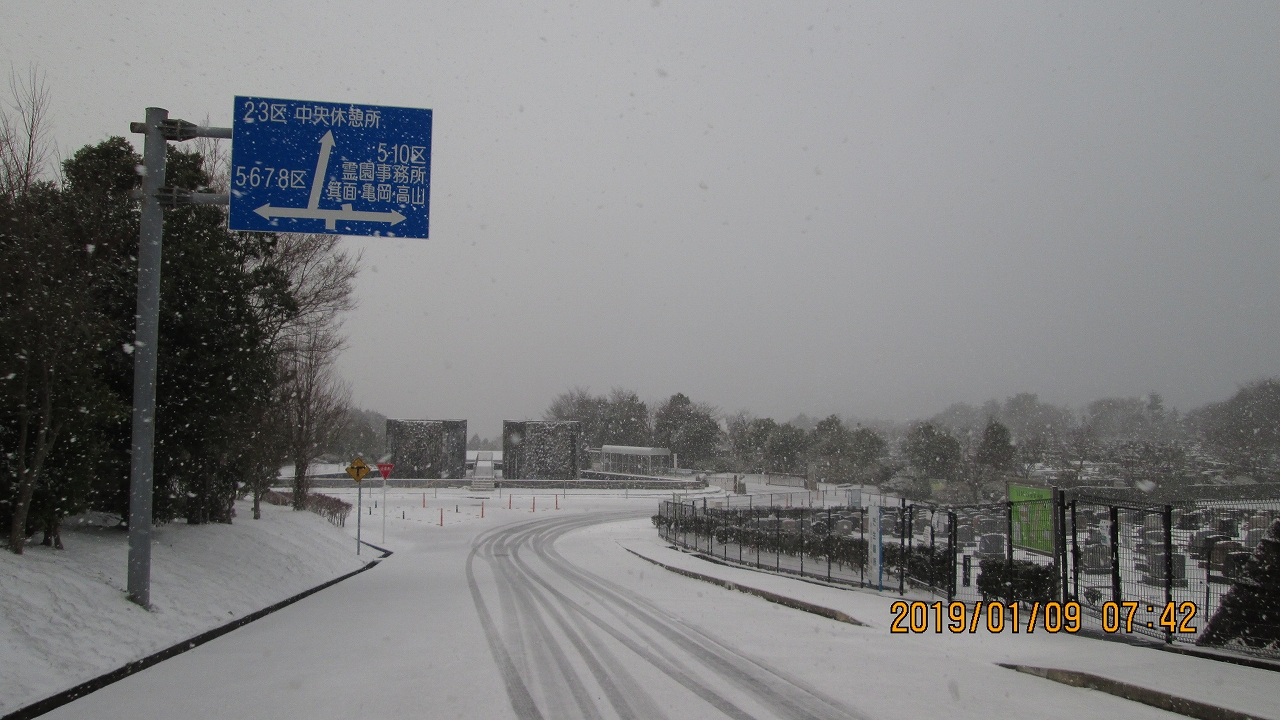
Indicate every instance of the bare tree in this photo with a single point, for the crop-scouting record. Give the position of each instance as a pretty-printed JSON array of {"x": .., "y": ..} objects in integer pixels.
[
  {"x": 320, "y": 278},
  {"x": 315, "y": 403},
  {"x": 24, "y": 134},
  {"x": 216, "y": 161}
]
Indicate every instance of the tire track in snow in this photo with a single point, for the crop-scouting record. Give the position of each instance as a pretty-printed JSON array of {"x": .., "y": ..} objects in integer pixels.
[{"x": 549, "y": 636}]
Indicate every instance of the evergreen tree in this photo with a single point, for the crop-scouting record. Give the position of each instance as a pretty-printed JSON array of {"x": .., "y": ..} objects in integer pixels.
[
  {"x": 688, "y": 429},
  {"x": 1250, "y": 611},
  {"x": 933, "y": 453},
  {"x": 578, "y": 404},
  {"x": 996, "y": 450},
  {"x": 784, "y": 449},
  {"x": 866, "y": 447},
  {"x": 215, "y": 375},
  {"x": 49, "y": 394},
  {"x": 1246, "y": 428},
  {"x": 830, "y": 447},
  {"x": 625, "y": 420}
]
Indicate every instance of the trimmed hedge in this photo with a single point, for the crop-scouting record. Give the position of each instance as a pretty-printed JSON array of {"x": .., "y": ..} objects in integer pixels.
[{"x": 1031, "y": 582}]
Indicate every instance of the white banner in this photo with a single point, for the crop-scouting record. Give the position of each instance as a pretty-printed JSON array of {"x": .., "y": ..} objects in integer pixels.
[{"x": 875, "y": 549}]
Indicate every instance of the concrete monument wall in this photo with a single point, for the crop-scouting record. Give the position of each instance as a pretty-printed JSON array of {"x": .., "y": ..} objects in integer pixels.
[
  {"x": 428, "y": 448},
  {"x": 541, "y": 450}
]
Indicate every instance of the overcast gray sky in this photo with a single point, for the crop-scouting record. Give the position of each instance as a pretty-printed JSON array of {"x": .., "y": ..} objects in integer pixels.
[{"x": 874, "y": 209}]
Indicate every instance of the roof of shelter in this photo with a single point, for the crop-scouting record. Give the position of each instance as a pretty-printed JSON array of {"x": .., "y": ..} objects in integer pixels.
[{"x": 633, "y": 450}]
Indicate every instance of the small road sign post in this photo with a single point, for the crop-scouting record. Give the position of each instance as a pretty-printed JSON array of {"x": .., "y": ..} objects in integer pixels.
[
  {"x": 385, "y": 469},
  {"x": 357, "y": 470},
  {"x": 363, "y": 169}
]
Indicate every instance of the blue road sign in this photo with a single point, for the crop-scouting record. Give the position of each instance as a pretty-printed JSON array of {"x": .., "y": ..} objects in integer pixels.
[{"x": 316, "y": 167}]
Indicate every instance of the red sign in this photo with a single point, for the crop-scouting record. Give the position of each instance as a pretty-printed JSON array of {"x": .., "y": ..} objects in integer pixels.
[{"x": 385, "y": 469}]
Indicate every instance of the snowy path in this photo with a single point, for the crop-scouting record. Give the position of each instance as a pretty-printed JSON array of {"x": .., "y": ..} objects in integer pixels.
[{"x": 546, "y": 615}]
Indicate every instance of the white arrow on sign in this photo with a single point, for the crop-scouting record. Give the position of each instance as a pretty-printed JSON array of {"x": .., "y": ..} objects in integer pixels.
[
  {"x": 313, "y": 212},
  {"x": 330, "y": 216},
  {"x": 322, "y": 166}
]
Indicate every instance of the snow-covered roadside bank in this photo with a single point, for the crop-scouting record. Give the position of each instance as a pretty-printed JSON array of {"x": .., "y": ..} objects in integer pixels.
[{"x": 64, "y": 617}]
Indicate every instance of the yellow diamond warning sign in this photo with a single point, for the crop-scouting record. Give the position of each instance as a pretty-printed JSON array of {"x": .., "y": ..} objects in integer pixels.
[{"x": 357, "y": 469}]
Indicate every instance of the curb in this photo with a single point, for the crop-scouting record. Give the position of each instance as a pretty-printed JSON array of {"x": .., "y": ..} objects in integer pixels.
[
  {"x": 1146, "y": 696},
  {"x": 72, "y": 694},
  {"x": 772, "y": 597},
  {"x": 1257, "y": 663}
]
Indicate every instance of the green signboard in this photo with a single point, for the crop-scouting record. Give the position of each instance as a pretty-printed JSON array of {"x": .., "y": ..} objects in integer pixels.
[{"x": 1032, "y": 518}]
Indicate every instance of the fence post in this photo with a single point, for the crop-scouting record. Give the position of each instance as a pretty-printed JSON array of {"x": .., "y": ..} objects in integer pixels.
[
  {"x": 800, "y": 535},
  {"x": 933, "y": 549},
  {"x": 911, "y": 536},
  {"x": 728, "y": 533},
  {"x": 1208, "y": 574},
  {"x": 711, "y": 529},
  {"x": 1008, "y": 546},
  {"x": 830, "y": 545},
  {"x": 902, "y": 546},
  {"x": 777, "y": 538},
  {"x": 866, "y": 547},
  {"x": 951, "y": 550},
  {"x": 1168, "y": 564},
  {"x": 694, "y": 507},
  {"x": 1115, "y": 554},
  {"x": 1060, "y": 542},
  {"x": 1075, "y": 554}
]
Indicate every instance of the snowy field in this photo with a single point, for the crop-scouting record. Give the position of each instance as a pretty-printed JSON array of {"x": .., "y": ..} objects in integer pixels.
[
  {"x": 546, "y": 614},
  {"x": 65, "y": 618}
]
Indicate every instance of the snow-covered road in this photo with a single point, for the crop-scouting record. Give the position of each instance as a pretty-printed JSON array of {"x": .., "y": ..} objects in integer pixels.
[
  {"x": 571, "y": 644},
  {"x": 546, "y": 615}
]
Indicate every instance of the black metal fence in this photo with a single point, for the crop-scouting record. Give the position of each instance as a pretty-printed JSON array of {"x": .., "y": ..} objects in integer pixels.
[
  {"x": 1186, "y": 556},
  {"x": 1067, "y": 547}
]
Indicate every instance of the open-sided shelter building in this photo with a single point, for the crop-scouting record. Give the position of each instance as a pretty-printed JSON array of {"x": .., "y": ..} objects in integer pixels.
[{"x": 635, "y": 460}]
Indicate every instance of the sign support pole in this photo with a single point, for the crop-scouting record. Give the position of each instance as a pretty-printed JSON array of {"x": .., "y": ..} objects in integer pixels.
[
  {"x": 145, "y": 340},
  {"x": 155, "y": 196},
  {"x": 357, "y": 470}
]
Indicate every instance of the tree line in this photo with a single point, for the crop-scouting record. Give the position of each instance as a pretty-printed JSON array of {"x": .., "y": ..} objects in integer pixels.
[
  {"x": 965, "y": 453},
  {"x": 249, "y": 330}
]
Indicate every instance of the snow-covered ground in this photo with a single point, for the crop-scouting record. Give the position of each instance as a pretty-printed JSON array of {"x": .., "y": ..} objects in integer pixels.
[
  {"x": 65, "y": 618},
  {"x": 545, "y": 613}
]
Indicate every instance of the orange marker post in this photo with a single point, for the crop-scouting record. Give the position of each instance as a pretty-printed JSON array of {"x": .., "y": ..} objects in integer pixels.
[
  {"x": 441, "y": 517},
  {"x": 557, "y": 502},
  {"x": 509, "y": 502},
  {"x": 535, "y": 504}
]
